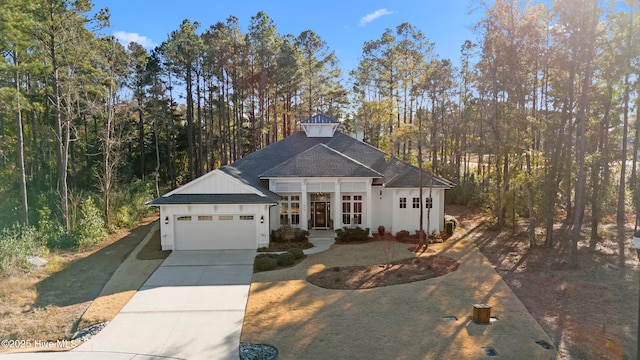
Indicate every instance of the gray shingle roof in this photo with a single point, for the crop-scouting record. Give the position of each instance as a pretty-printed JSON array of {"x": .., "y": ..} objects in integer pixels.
[
  {"x": 320, "y": 161},
  {"x": 250, "y": 168},
  {"x": 410, "y": 178},
  {"x": 181, "y": 199},
  {"x": 397, "y": 173}
]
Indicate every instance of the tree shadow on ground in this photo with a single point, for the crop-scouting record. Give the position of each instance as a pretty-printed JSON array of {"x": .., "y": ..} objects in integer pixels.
[{"x": 83, "y": 279}]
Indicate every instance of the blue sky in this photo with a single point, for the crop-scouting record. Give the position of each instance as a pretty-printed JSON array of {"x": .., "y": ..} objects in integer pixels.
[{"x": 345, "y": 25}]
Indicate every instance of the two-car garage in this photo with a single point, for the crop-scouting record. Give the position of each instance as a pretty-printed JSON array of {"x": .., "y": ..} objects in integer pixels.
[{"x": 213, "y": 232}]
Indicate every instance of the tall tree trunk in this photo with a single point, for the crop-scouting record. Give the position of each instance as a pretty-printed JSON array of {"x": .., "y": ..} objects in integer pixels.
[
  {"x": 530, "y": 202},
  {"x": 507, "y": 187},
  {"x": 171, "y": 144},
  {"x": 62, "y": 135},
  {"x": 599, "y": 163},
  {"x": 157, "y": 146},
  {"x": 620, "y": 214},
  {"x": 200, "y": 130},
  {"x": 581, "y": 132},
  {"x": 19, "y": 131},
  {"x": 190, "y": 129},
  {"x": 635, "y": 184},
  {"x": 141, "y": 137}
]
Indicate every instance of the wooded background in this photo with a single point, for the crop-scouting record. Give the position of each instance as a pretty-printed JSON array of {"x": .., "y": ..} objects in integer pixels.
[{"x": 538, "y": 121}]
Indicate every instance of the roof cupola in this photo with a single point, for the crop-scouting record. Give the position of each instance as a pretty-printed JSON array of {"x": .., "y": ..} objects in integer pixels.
[{"x": 319, "y": 126}]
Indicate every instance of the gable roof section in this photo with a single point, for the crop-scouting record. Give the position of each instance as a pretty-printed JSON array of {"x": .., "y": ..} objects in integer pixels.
[
  {"x": 218, "y": 178},
  {"x": 230, "y": 190},
  {"x": 320, "y": 161}
]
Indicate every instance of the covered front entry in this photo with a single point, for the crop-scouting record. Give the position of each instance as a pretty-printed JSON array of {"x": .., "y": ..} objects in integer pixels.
[
  {"x": 215, "y": 232},
  {"x": 322, "y": 205},
  {"x": 320, "y": 211}
]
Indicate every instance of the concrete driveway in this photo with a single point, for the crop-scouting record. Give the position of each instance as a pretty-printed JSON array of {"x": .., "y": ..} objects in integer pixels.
[{"x": 192, "y": 307}]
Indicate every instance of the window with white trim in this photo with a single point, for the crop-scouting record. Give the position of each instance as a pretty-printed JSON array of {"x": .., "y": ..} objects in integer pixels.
[
  {"x": 428, "y": 203},
  {"x": 403, "y": 203},
  {"x": 416, "y": 203},
  {"x": 246, "y": 217},
  {"x": 184, "y": 218},
  {"x": 290, "y": 210},
  {"x": 352, "y": 209}
]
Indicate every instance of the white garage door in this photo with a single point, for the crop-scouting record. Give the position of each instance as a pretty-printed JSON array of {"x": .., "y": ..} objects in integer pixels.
[{"x": 211, "y": 232}]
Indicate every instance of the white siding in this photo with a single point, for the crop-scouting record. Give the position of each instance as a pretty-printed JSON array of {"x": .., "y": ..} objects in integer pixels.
[
  {"x": 281, "y": 187},
  {"x": 382, "y": 209},
  {"x": 319, "y": 130},
  {"x": 215, "y": 183},
  {"x": 409, "y": 218},
  {"x": 321, "y": 186},
  {"x": 351, "y": 186}
]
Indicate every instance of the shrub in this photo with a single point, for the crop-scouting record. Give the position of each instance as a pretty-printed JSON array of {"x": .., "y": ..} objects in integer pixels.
[
  {"x": 52, "y": 234},
  {"x": 467, "y": 192},
  {"x": 296, "y": 252},
  {"x": 403, "y": 235},
  {"x": 286, "y": 259},
  {"x": 90, "y": 230},
  {"x": 123, "y": 217},
  {"x": 265, "y": 263},
  {"x": 16, "y": 243},
  {"x": 437, "y": 237},
  {"x": 130, "y": 203},
  {"x": 299, "y": 235},
  {"x": 424, "y": 234},
  {"x": 347, "y": 234}
]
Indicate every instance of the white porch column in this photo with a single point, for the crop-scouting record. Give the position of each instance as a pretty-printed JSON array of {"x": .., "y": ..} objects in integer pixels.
[
  {"x": 337, "y": 221},
  {"x": 304, "y": 206},
  {"x": 368, "y": 206}
]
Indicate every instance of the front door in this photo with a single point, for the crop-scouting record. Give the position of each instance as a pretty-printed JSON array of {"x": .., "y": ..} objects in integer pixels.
[{"x": 319, "y": 213}]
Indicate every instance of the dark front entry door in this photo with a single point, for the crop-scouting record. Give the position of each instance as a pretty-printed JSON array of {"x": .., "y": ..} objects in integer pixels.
[{"x": 319, "y": 214}]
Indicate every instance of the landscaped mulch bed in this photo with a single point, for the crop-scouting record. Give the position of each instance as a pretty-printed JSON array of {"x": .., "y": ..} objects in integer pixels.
[{"x": 372, "y": 276}]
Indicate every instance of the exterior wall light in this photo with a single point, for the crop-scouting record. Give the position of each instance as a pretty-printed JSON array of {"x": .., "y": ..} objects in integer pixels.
[
  {"x": 261, "y": 219},
  {"x": 166, "y": 220}
]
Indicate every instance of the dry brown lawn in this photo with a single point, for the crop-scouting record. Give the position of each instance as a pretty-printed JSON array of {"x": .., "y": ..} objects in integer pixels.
[
  {"x": 48, "y": 304},
  {"x": 589, "y": 310}
]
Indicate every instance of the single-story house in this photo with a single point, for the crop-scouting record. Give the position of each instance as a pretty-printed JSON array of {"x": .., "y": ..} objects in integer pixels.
[{"x": 318, "y": 178}]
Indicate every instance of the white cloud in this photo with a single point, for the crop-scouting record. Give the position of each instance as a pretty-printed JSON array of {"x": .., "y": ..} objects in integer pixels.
[
  {"x": 374, "y": 15},
  {"x": 125, "y": 38}
]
